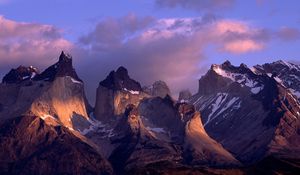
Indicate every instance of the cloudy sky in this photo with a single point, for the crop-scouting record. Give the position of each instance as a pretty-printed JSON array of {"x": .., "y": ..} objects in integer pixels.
[{"x": 170, "y": 40}]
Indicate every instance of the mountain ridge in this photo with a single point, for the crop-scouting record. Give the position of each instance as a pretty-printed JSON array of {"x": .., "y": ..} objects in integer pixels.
[{"x": 140, "y": 130}]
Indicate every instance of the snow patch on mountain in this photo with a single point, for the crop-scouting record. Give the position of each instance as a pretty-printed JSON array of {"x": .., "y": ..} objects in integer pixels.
[
  {"x": 94, "y": 124},
  {"x": 228, "y": 105},
  {"x": 45, "y": 116},
  {"x": 98, "y": 127},
  {"x": 289, "y": 65},
  {"x": 132, "y": 92},
  {"x": 214, "y": 107},
  {"x": 296, "y": 93},
  {"x": 242, "y": 79},
  {"x": 157, "y": 130},
  {"x": 75, "y": 81}
]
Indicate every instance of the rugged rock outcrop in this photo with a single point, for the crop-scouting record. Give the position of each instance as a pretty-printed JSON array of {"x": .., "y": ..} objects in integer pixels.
[
  {"x": 116, "y": 92},
  {"x": 284, "y": 72},
  {"x": 40, "y": 116},
  {"x": 20, "y": 74},
  {"x": 161, "y": 113},
  {"x": 249, "y": 122},
  {"x": 62, "y": 68},
  {"x": 137, "y": 146},
  {"x": 31, "y": 145},
  {"x": 57, "y": 92},
  {"x": 201, "y": 149},
  {"x": 251, "y": 114}
]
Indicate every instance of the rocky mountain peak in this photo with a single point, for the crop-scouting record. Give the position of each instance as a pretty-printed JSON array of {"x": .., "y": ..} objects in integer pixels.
[
  {"x": 65, "y": 57},
  {"x": 120, "y": 80},
  {"x": 64, "y": 67},
  {"x": 242, "y": 65},
  {"x": 20, "y": 74},
  {"x": 122, "y": 72},
  {"x": 227, "y": 63},
  {"x": 284, "y": 73}
]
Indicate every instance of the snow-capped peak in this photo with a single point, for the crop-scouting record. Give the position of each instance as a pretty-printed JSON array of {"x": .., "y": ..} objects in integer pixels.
[
  {"x": 287, "y": 64},
  {"x": 242, "y": 78}
]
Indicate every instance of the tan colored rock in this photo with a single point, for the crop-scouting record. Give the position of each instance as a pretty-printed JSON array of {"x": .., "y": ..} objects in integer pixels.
[
  {"x": 112, "y": 103},
  {"x": 64, "y": 100},
  {"x": 204, "y": 150}
]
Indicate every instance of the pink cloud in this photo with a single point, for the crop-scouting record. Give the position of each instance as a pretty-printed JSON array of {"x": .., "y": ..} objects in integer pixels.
[
  {"x": 238, "y": 37},
  {"x": 29, "y": 43},
  {"x": 242, "y": 46},
  {"x": 168, "y": 49}
]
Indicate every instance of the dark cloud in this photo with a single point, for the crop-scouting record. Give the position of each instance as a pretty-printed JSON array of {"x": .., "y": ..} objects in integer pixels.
[
  {"x": 197, "y": 5},
  {"x": 288, "y": 34},
  {"x": 111, "y": 32}
]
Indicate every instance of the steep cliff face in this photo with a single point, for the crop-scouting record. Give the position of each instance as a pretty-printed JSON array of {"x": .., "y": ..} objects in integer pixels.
[
  {"x": 161, "y": 113},
  {"x": 116, "y": 92},
  {"x": 138, "y": 130},
  {"x": 40, "y": 116},
  {"x": 63, "y": 99},
  {"x": 137, "y": 146},
  {"x": 251, "y": 114},
  {"x": 56, "y": 92},
  {"x": 242, "y": 120},
  {"x": 201, "y": 149}
]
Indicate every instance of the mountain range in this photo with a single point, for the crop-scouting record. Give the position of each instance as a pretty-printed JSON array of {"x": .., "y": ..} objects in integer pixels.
[{"x": 241, "y": 121}]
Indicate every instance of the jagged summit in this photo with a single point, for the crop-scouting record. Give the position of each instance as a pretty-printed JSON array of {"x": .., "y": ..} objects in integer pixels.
[
  {"x": 227, "y": 63},
  {"x": 120, "y": 80},
  {"x": 283, "y": 72},
  {"x": 65, "y": 57},
  {"x": 63, "y": 67},
  {"x": 220, "y": 76},
  {"x": 227, "y": 66},
  {"x": 20, "y": 74}
]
